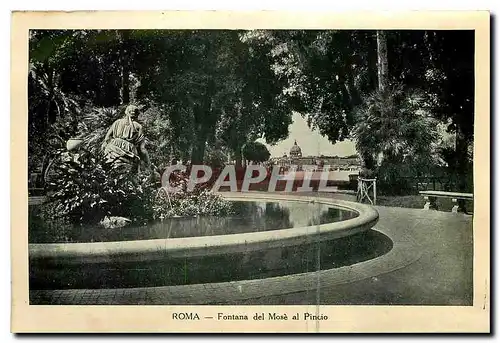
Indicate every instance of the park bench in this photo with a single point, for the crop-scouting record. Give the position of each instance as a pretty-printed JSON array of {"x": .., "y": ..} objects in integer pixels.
[{"x": 457, "y": 199}]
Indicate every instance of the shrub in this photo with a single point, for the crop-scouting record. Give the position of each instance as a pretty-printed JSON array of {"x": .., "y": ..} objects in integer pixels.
[
  {"x": 396, "y": 135},
  {"x": 46, "y": 225},
  {"x": 184, "y": 204},
  {"x": 95, "y": 124},
  {"x": 256, "y": 152},
  {"x": 198, "y": 202},
  {"x": 83, "y": 188},
  {"x": 215, "y": 158},
  {"x": 86, "y": 189}
]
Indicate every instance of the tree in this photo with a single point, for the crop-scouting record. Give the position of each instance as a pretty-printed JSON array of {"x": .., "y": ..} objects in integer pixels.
[
  {"x": 330, "y": 74},
  {"x": 382, "y": 62},
  {"x": 216, "y": 157},
  {"x": 221, "y": 84},
  {"x": 125, "y": 57},
  {"x": 451, "y": 79},
  {"x": 259, "y": 108},
  {"x": 256, "y": 152},
  {"x": 326, "y": 74},
  {"x": 441, "y": 63},
  {"x": 396, "y": 135}
]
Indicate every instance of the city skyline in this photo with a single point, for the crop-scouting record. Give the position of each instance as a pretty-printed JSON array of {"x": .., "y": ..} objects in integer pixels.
[{"x": 311, "y": 142}]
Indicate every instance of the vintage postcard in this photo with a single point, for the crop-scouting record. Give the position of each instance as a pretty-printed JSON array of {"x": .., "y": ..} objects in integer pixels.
[{"x": 250, "y": 171}]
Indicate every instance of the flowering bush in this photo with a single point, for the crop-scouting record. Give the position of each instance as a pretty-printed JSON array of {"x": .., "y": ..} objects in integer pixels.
[
  {"x": 183, "y": 204},
  {"x": 85, "y": 189}
]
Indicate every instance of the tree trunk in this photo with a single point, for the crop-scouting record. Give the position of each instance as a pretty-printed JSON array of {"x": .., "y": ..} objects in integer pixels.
[
  {"x": 383, "y": 76},
  {"x": 383, "y": 64},
  {"x": 203, "y": 126},
  {"x": 123, "y": 37},
  {"x": 198, "y": 152},
  {"x": 205, "y": 122},
  {"x": 238, "y": 158}
]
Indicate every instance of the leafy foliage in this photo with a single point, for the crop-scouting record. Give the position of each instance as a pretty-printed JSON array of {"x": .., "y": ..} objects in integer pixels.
[
  {"x": 226, "y": 88},
  {"x": 48, "y": 223},
  {"x": 85, "y": 189},
  {"x": 325, "y": 73},
  {"x": 94, "y": 125},
  {"x": 396, "y": 133},
  {"x": 215, "y": 158},
  {"x": 256, "y": 152},
  {"x": 217, "y": 87},
  {"x": 329, "y": 74},
  {"x": 190, "y": 204}
]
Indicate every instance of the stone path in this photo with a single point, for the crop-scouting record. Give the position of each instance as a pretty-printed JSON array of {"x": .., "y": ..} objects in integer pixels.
[{"x": 430, "y": 263}]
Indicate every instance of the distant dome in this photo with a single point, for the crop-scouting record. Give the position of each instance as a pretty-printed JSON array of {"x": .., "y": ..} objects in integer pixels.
[{"x": 295, "y": 151}]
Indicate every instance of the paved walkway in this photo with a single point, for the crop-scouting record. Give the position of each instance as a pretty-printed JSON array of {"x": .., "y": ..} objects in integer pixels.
[
  {"x": 430, "y": 263},
  {"x": 442, "y": 275}
]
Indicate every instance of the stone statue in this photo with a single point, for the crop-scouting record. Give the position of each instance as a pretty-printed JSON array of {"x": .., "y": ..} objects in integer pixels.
[{"x": 124, "y": 145}]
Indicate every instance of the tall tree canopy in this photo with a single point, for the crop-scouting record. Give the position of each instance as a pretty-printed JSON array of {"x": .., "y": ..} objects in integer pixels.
[
  {"x": 226, "y": 88},
  {"x": 332, "y": 76},
  {"x": 210, "y": 86},
  {"x": 326, "y": 74}
]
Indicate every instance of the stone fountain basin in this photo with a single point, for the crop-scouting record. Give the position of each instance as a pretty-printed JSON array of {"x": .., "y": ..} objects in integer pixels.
[{"x": 173, "y": 248}]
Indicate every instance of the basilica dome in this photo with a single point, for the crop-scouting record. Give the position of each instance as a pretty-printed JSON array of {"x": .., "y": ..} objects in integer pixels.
[{"x": 295, "y": 151}]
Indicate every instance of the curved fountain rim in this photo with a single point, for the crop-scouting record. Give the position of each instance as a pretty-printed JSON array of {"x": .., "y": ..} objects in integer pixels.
[{"x": 220, "y": 244}]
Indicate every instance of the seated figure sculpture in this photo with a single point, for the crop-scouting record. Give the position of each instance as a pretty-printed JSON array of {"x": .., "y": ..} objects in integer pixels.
[{"x": 124, "y": 144}]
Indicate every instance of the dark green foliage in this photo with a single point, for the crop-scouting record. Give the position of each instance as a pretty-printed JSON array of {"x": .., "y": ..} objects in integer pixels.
[
  {"x": 206, "y": 85},
  {"x": 329, "y": 74},
  {"x": 325, "y": 74},
  {"x": 225, "y": 88},
  {"x": 397, "y": 133},
  {"x": 215, "y": 158},
  {"x": 190, "y": 204},
  {"x": 45, "y": 221},
  {"x": 85, "y": 189},
  {"x": 256, "y": 152},
  {"x": 93, "y": 126},
  {"x": 216, "y": 86}
]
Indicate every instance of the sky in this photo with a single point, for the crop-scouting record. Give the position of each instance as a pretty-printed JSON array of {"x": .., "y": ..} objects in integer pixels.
[{"x": 311, "y": 142}]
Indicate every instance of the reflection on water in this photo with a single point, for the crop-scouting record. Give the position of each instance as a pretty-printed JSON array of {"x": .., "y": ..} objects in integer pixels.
[
  {"x": 307, "y": 257},
  {"x": 247, "y": 217}
]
